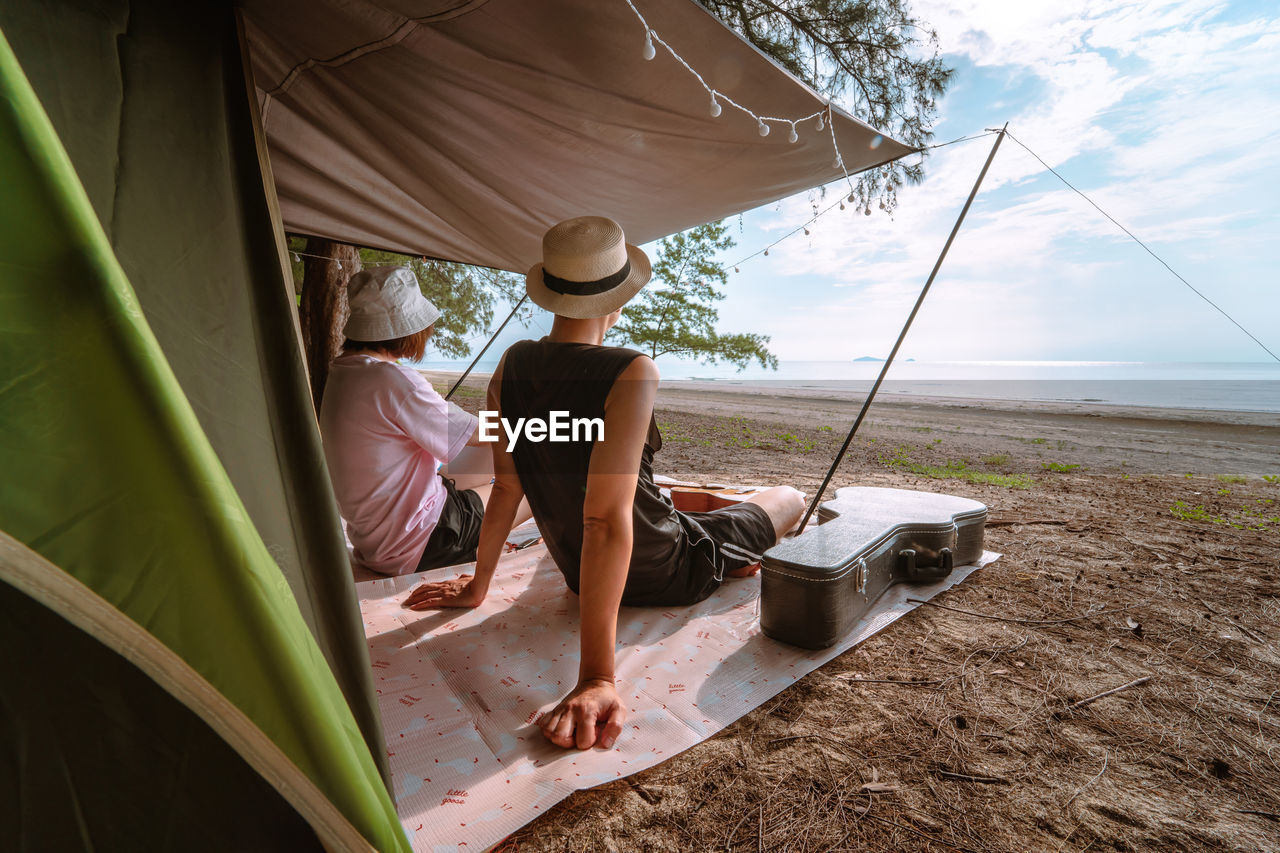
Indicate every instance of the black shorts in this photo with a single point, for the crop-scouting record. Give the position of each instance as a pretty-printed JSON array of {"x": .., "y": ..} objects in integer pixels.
[
  {"x": 742, "y": 532},
  {"x": 719, "y": 541},
  {"x": 457, "y": 531}
]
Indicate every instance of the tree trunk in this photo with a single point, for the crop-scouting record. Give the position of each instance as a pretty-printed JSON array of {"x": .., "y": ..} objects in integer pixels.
[{"x": 323, "y": 309}]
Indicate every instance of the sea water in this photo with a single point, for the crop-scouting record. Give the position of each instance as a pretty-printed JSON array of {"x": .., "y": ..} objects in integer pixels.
[{"x": 1223, "y": 386}]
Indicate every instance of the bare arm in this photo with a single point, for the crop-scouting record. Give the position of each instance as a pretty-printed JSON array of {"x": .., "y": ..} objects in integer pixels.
[
  {"x": 499, "y": 515},
  {"x": 593, "y": 713}
]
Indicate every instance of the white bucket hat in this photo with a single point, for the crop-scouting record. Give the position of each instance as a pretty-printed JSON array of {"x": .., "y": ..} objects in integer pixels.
[
  {"x": 386, "y": 304},
  {"x": 588, "y": 269}
]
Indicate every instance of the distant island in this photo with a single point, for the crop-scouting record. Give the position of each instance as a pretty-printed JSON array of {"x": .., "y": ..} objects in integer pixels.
[{"x": 873, "y": 358}]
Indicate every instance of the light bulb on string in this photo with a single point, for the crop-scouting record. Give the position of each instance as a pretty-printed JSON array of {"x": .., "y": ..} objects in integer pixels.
[
  {"x": 339, "y": 263},
  {"x": 821, "y": 124},
  {"x": 296, "y": 259},
  {"x": 806, "y": 232},
  {"x": 649, "y": 50},
  {"x": 715, "y": 105},
  {"x": 766, "y": 253},
  {"x": 851, "y": 198},
  {"x": 842, "y": 205},
  {"x": 868, "y": 210},
  {"x": 735, "y": 269},
  {"x": 793, "y": 136},
  {"x": 763, "y": 128},
  {"x": 882, "y": 203}
]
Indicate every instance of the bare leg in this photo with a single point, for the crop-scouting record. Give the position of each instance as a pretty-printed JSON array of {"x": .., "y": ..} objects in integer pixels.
[
  {"x": 523, "y": 513},
  {"x": 785, "y": 506},
  {"x": 471, "y": 468}
]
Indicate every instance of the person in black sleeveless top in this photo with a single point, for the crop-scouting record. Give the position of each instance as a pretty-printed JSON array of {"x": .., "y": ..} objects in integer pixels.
[{"x": 613, "y": 535}]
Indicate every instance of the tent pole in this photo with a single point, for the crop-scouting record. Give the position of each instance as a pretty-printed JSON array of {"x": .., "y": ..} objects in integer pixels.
[
  {"x": 475, "y": 360},
  {"x": 866, "y": 404}
]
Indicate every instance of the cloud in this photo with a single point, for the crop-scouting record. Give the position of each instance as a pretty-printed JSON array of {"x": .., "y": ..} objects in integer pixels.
[{"x": 1167, "y": 114}]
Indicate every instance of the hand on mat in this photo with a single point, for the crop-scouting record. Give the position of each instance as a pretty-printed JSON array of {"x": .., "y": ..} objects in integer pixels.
[
  {"x": 592, "y": 715},
  {"x": 458, "y": 592}
]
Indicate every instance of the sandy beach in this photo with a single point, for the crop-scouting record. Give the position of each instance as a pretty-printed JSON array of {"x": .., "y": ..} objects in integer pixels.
[{"x": 1140, "y": 545}]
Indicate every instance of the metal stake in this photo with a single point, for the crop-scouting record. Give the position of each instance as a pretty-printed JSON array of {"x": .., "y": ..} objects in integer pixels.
[
  {"x": 903, "y": 334},
  {"x": 488, "y": 344}
]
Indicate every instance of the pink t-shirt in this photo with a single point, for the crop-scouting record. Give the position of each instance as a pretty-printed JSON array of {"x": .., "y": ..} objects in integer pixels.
[{"x": 384, "y": 430}]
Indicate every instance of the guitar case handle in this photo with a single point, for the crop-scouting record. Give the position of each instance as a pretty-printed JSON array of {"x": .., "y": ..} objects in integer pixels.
[{"x": 917, "y": 573}]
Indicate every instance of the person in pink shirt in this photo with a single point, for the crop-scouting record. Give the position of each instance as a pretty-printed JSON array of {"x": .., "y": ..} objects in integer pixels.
[{"x": 386, "y": 432}]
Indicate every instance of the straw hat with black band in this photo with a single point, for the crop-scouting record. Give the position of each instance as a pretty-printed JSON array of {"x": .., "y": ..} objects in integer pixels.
[{"x": 588, "y": 269}]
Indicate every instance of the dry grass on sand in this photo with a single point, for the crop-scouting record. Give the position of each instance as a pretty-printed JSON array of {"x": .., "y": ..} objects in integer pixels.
[{"x": 968, "y": 731}]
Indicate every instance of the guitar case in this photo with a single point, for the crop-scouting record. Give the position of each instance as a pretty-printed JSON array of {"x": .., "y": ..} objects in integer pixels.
[{"x": 817, "y": 585}]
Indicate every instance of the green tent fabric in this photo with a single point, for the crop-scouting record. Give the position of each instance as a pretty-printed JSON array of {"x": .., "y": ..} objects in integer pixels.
[
  {"x": 115, "y": 744},
  {"x": 148, "y": 488},
  {"x": 150, "y": 101}
]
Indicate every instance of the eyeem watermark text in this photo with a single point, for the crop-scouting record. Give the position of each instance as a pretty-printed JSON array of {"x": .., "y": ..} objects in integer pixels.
[{"x": 559, "y": 427}]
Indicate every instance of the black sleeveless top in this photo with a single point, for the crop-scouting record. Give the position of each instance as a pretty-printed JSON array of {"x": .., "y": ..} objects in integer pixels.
[{"x": 541, "y": 377}]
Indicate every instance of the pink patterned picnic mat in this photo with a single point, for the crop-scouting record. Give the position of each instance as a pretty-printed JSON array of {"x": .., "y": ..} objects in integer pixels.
[{"x": 460, "y": 690}]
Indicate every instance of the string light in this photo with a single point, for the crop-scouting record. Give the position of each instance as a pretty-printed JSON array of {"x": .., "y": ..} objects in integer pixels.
[
  {"x": 296, "y": 259},
  {"x": 852, "y": 199},
  {"x": 821, "y": 117}
]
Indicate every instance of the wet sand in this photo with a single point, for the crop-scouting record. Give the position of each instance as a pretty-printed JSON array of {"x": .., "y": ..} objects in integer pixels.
[{"x": 1140, "y": 440}]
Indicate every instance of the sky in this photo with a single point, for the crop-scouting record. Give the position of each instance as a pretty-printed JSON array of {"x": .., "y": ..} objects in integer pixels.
[{"x": 1165, "y": 112}]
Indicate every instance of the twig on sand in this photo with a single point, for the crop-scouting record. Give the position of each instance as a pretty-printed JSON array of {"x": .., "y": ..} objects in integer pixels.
[
  {"x": 826, "y": 738},
  {"x": 717, "y": 792},
  {"x": 1243, "y": 628},
  {"x": 644, "y": 793},
  {"x": 890, "y": 681},
  {"x": 728, "y": 842},
  {"x": 995, "y": 651},
  {"x": 1090, "y": 615},
  {"x": 1009, "y": 522},
  {"x": 1227, "y": 616},
  {"x": 1105, "y": 757},
  {"x": 855, "y": 826},
  {"x": 965, "y": 777},
  {"x": 932, "y": 838},
  {"x": 1137, "y": 682}
]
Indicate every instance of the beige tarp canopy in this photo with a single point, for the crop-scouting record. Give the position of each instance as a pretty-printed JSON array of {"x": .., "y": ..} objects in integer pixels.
[
  {"x": 183, "y": 652},
  {"x": 462, "y": 130}
]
